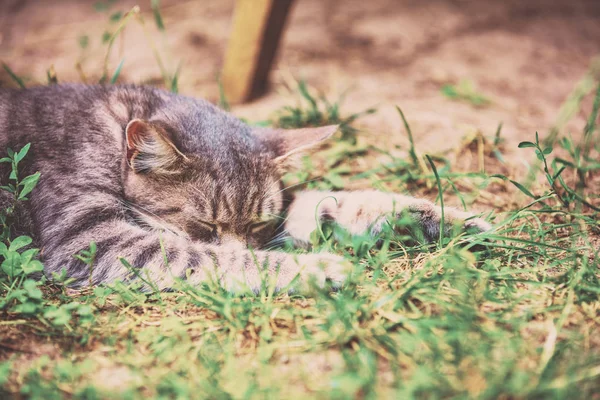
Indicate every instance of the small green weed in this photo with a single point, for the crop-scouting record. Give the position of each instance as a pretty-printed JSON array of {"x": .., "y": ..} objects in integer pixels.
[
  {"x": 318, "y": 111},
  {"x": 466, "y": 91},
  {"x": 21, "y": 289}
]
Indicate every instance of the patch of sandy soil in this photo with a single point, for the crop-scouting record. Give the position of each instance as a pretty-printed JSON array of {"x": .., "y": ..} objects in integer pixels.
[{"x": 525, "y": 56}]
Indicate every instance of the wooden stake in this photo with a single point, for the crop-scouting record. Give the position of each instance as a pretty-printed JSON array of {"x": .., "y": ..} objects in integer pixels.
[{"x": 257, "y": 27}]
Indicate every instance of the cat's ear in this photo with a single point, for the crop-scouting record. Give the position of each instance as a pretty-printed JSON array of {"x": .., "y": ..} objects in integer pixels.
[
  {"x": 149, "y": 150},
  {"x": 289, "y": 142}
]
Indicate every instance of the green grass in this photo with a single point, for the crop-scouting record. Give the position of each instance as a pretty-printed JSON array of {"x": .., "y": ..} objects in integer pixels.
[
  {"x": 513, "y": 313},
  {"x": 467, "y": 92}
]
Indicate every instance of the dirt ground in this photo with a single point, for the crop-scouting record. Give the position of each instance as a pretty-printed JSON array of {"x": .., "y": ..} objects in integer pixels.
[{"x": 525, "y": 56}]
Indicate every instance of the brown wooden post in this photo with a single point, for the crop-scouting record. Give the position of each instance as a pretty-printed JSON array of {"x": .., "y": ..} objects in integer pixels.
[{"x": 257, "y": 28}]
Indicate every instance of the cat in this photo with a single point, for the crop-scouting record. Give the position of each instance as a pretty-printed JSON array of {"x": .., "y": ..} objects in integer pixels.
[{"x": 180, "y": 188}]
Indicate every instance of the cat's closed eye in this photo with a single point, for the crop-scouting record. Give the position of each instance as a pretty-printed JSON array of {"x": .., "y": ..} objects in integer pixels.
[
  {"x": 207, "y": 225},
  {"x": 258, "y": 226},
  {"x": 201, "y": 230}
]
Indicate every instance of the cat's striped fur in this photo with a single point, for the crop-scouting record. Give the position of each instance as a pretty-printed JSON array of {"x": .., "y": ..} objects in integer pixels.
[{"x": 176, "y": 186}]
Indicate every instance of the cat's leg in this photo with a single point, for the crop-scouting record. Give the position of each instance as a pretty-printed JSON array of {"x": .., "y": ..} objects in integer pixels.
[
  {"x": 360, "y": 212},
  {"x": 162, "y": 257}
]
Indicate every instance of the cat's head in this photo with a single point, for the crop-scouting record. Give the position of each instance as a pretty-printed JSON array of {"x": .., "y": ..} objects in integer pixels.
[{"x": 224, "y": 188}]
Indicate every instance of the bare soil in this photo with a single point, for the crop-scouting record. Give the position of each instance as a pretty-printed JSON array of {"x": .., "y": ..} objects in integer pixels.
[{"x": 525, "y": 56}]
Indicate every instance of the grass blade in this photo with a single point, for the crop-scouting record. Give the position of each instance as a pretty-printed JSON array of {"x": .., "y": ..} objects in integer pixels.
[
  {"x": 14, "y": 76},
  {"x": 439, "y": 185},
  {"x": 51, "y": 76},
  {"x": 115, "y": 76},
  {"x": 157, "y": 17},
  {"x": 591, "y": 124},
  {"x": 411, "y": 152}
]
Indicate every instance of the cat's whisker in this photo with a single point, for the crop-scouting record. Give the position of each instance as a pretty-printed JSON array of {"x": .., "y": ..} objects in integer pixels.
[
  {"x": 276, "y": 242},
  {"x": 297, "y": 184},
  {"x": 276, "y": 216},
  {"x": 280, "y": 234}
]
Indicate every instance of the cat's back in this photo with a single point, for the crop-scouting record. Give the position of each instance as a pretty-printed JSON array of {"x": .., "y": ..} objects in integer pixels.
[
  {"x": 62, "y": 122},
  {"x": 74, "y": 130},
  {"x": 39, "y": 113}
]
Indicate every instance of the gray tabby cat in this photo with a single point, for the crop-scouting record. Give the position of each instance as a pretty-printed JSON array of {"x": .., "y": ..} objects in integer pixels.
[{"x": 178, "y": 187}]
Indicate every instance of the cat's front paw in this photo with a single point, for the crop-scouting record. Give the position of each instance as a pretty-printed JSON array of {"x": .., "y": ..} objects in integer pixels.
[{"x": 321, "y": 268}]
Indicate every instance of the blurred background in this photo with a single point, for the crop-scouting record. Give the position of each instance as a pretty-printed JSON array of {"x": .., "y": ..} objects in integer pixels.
[{"x": 454, "y": 66}]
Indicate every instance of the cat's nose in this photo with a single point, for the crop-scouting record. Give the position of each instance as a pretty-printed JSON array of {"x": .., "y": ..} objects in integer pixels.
[{"x": 231, "y": 239}]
